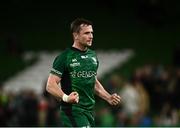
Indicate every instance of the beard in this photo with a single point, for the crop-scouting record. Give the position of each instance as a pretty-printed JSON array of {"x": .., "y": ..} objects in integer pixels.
[{"x": 89, "y": 44}]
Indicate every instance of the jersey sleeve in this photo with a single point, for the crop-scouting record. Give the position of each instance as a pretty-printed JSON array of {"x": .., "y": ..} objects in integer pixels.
[
  {"x": 59, "y": 65},
  {"x": 97, "y": 62}
]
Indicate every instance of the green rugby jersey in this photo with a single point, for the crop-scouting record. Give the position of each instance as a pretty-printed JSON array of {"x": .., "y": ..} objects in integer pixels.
[{"x": 77, "y": 70}]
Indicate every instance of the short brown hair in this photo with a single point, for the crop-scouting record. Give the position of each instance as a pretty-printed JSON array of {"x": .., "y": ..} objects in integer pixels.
[{"x": 75, "y": 25}]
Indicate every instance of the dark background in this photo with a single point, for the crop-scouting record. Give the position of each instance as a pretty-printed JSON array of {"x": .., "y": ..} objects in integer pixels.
[
  {"x": 45, "y": 24},
  {"x": 150, "y": 28}
]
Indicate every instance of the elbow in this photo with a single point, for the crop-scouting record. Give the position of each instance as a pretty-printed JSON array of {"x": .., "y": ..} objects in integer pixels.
[
  {"x": 96, "y": 90},
  {"x": 48, "y": 88}
]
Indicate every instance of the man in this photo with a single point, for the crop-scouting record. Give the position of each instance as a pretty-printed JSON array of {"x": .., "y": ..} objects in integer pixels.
[{"x": 73, "y": 78}]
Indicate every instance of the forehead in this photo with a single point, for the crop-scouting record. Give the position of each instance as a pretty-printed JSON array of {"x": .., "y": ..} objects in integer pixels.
[{"x": 85, "y": 27}]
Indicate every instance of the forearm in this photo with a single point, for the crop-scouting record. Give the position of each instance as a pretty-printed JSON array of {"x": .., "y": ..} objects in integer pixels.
[
  {"x": 101, "y": 92},
  {"x": 113, "y": 99},
  {"x": 55, "y": 90}
]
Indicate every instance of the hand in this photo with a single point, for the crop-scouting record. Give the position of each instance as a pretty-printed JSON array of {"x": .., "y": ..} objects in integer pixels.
[
  {"x": 114, "y": 99},
  {"x": 73, "y": 97}
]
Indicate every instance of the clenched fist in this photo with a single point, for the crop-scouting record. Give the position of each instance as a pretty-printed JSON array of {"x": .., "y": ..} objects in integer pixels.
[
  {"x": 114, "y": 99},
  {"x": 72, "y": 98}
]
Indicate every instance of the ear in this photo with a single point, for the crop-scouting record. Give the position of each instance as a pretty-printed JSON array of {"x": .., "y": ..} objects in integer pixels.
[{"x": 75, "y": 35}]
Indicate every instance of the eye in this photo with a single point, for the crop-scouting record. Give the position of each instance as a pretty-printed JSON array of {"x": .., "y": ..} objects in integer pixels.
[{"x": 87, "y": 33}]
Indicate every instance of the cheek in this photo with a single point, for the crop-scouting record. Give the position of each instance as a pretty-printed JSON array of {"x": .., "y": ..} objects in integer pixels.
[{"x": 83, "y": 39}]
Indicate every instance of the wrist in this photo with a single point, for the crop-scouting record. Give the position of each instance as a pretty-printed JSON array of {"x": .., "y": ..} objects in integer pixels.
[{"x": 65, "y": 98}]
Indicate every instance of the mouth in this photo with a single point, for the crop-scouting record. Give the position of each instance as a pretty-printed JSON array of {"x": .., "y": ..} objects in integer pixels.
[{"x": 89, "y": 42}]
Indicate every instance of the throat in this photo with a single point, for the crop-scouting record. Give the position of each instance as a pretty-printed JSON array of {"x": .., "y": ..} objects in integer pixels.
[{"x": 80, "y": 47}]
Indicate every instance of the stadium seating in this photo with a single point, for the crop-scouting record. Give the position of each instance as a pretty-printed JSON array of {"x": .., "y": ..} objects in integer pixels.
[{"x": 33, "y": 77}]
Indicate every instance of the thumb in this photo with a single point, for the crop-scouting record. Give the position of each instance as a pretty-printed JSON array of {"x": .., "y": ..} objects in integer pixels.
[{"x": 75, "y": 93}]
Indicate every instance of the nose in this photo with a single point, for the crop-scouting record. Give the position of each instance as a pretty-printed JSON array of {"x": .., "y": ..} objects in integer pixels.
[{"x": 91, "y": 35}]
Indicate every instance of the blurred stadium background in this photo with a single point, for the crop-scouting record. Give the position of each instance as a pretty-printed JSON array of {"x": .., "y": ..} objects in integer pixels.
[{"x": 137, "y": 43}]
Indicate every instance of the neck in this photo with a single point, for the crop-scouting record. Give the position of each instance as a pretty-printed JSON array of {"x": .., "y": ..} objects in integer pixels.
[{"x": 79, "y": 46}]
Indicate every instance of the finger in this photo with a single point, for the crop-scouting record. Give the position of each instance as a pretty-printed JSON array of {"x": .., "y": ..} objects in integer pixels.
[
  {"x": 75, "y": 93},
  {"x": 114, "y": 94},
  {"x": 77, "y": 99},
  {"x": 114, "y": 103},
  {"x": 117, "y": 100},
  {"x": 117, "y": 97}
]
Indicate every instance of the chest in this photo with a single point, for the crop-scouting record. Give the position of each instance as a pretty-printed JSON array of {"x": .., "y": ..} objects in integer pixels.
[{"x": 82, "y": 63}]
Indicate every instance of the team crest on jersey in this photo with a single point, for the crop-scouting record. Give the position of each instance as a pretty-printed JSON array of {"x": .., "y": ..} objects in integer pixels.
[{"x": 84, "y": 57}]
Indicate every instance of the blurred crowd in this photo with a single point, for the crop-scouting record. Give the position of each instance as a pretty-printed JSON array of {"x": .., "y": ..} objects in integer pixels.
[
  {"x": 27, "y": 108},
  {"x": 149, "y": 98}
]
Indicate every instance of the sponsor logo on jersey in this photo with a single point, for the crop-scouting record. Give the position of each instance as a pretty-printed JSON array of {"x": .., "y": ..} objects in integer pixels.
[
  {"x": 83, "y": 74},
  {"x": 74, "y": 60},
  {"x": 75, "y": 64}
]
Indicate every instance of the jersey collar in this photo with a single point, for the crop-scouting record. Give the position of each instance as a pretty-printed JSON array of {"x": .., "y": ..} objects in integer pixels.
[{"x": 75, "y": 49}]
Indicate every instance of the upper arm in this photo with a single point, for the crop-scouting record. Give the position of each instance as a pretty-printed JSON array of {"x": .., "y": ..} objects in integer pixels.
[
  {"x": 56, "y": 71},
  {"x": 59, "y": 65}
]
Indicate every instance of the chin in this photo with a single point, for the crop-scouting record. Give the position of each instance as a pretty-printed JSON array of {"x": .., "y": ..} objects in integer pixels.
[{"x": 89, "y": 44}]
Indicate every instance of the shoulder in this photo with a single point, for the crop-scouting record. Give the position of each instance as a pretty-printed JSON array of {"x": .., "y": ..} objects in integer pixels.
[
  {"x": 63, "y": 54},
  {"x": 61, "y": 57},
  {"x": 92, "y": 51}
]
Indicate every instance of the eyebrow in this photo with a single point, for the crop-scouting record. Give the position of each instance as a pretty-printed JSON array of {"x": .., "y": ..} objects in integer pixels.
[{"x": 88, "y": 32}]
